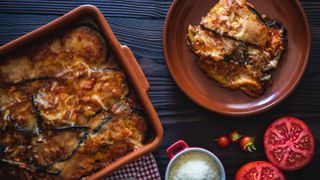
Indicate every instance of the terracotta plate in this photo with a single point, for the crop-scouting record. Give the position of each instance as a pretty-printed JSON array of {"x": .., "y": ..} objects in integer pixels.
[{"x": 206, "y": 92}]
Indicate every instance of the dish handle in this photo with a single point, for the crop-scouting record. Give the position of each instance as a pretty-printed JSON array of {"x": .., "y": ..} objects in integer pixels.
[
  {"x": 176, "y": 148},
  {"x": 142, "y": 80}
]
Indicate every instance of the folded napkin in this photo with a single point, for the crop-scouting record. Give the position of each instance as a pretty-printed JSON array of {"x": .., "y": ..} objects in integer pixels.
[{"x": 144, "y": 168}]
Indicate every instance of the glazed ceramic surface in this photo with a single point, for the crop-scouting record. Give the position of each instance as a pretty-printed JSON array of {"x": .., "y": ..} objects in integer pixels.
[
  {"x": 122, "y": 55},
  {"x": 206, "y": 92}
]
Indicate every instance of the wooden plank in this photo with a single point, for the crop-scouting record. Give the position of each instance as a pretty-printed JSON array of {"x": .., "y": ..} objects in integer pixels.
[
  {"x": 139, "y": 24},
  {"x": 115, "y": 8}
]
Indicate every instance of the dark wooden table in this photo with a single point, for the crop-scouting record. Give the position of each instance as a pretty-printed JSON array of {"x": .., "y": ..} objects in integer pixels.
[{"x": 139, "y": 24}]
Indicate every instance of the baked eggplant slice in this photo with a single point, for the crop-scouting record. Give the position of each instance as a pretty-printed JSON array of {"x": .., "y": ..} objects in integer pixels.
[
  {"x": 123, "y": 106},
  {"x": 237, "y": 19},
  {"x": 122, "y": 134},
  {"x": 207, "y": 43},
  {"x": 101, "y": 89},
  {"x": 82, "y": 164},
  {"x": 55, "y": 146},
  {"x": 76, "y": 49},
  {"x": 57, "y": 106},
  {"x": 232, "y": 76},
  {"x": 29, "y": 167},
  {"x": 251, "y": 64},
  {"x": 74, "y": 102},
  {"x": 17, "y": 110},
  {"x": 14, "y": 145},
  {"x": 97, "y": 121}
]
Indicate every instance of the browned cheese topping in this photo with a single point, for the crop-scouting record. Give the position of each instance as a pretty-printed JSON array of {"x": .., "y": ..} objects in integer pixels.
[
  {"x": 66, "y": 110},
  {"x": 238, "y": 47}
]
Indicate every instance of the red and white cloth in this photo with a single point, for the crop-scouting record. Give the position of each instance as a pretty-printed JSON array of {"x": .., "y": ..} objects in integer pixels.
[{"x": 144, "y": 168}]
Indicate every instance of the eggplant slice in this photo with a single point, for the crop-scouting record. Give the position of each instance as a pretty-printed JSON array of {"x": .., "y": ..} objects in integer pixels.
[
  {"x": 97, "y": 121},
  {"x": 75, "y": 50},
  {"x": 52, "y": 146},
  {"x": 29, "y": 167},
  {"x": 122, "y": 134},
  {"x": 232, "y": 76},
  {"x": 17, "y": 110},
  {"x": 101, "y": 89},
  {"x": 58, "y": 106},
  {"x": 237, "y": 70},
  {"x": 239, "y": 20},
  {"x": 14, "y": 145},
  {"x": 236, "y": 19},
  {"x": 207, "y": 43},
  {"x": 74, "y": 102}
]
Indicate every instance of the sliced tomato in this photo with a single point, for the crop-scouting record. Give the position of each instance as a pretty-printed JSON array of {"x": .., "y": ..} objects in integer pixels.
[
  {"x": 259, "y": 170},
  {"x": 289, "y": 143}
]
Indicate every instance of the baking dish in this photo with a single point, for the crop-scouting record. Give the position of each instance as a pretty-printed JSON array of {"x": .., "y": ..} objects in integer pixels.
[{"x": 88, "y": 14}]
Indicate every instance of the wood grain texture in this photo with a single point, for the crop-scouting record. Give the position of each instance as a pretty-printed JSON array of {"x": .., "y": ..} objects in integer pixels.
[{"x": 139, "y": 24}]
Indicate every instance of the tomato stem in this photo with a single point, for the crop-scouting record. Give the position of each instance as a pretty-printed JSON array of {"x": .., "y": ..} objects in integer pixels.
[
  {"x": 236, "y": 137},
  {"x": 250, "y": 145}
]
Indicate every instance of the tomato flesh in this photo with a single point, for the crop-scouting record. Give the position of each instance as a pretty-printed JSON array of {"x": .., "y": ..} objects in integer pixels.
[
  {"x": 259, "y": 170},
  {"x": 289, "y": 143}
]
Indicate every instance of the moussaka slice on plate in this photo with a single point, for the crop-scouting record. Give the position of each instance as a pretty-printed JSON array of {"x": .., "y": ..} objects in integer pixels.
[
  {"x": 237, "y": 47},
  {"x": 215, "y": 59}
]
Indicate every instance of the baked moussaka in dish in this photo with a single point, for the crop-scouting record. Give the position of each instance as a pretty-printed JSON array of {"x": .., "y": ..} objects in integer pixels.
[
  {"x": 237, "y": 46},
  {"x": 66, "y": 109}
]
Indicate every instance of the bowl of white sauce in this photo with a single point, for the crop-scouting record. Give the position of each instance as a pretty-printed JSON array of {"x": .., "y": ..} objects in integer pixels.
[{"x": 193, "y": 163}]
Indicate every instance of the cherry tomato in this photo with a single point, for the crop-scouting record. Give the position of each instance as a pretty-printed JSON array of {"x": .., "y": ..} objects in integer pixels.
[
  {"x": 247, "y": 143},
  {"x": 234, "y": 136},
  {"x": 223, "y": 141}
]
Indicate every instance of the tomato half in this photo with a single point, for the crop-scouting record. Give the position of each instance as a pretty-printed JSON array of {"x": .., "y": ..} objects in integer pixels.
[
  {"x": 289, "y": 143},
  {"x": 259, "y": 170}
]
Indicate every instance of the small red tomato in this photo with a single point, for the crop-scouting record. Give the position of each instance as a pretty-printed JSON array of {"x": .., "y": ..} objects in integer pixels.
[
  {"x": 223, "y": 141},
  {"x": 234, "y": 136},
  {"x": 247, "y": 143}
]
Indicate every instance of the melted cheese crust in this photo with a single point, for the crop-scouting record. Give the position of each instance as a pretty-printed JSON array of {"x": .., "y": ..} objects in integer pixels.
[
  {"x": 65, "y": 110},
  {"x": 237, "y": 47},
  {"x": 234, "y": 18},
  {"x": 206, "y": 43}
]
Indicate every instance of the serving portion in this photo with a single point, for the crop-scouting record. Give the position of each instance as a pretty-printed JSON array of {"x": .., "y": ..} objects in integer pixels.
[
  {"x": 238, "y": 47},
  {"x": 66, "y": 109}
]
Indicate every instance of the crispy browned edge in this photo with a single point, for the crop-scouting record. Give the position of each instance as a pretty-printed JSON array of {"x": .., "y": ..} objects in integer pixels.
[{"x": 126, "y": 60}]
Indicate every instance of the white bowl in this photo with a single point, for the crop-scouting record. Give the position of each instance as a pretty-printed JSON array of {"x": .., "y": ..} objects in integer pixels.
[{"x": 184, "y": 148}]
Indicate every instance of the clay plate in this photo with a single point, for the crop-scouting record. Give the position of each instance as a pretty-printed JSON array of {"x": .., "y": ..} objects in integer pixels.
[
  {"x": 206, "y": 92},
  {"x": 88, "y": 14}
]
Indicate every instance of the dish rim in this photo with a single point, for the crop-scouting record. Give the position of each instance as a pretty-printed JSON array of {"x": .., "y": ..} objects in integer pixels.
[{"x": 229, "y": 111}]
